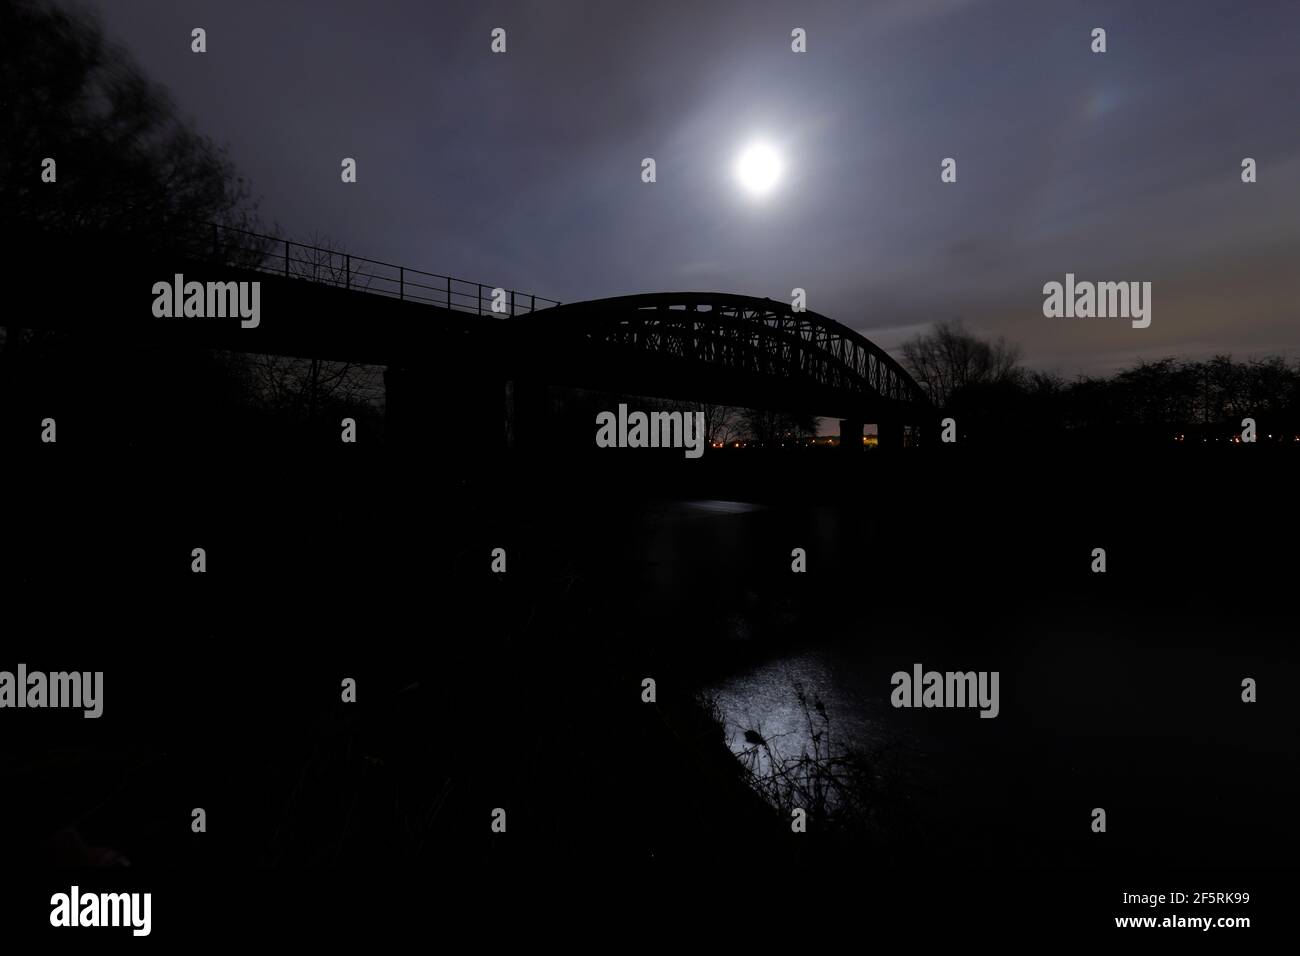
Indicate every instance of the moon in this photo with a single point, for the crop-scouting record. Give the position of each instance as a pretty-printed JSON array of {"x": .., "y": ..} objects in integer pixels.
[{"x": 758, "y": 169}]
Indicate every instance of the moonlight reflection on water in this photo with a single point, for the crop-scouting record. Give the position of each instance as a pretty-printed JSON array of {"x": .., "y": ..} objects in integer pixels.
[{"x": 765, "y": 717}]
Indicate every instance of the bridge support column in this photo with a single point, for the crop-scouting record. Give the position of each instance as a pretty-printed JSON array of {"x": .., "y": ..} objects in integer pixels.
[
  {"x": 425, "y": 406},
  {"x": 398, "y": 404},
  {"x": 889, "y": 434},
  {"x": 528, "y": 414},
  {"x": 851, "y": 435}
]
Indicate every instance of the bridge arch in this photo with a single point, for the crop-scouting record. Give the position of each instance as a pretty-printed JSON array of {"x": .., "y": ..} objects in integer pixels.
[{"x": 732, "y": 349}]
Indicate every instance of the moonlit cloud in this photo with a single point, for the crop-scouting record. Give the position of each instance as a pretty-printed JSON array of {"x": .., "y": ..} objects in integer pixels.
[{"x": 524, "y": 168}]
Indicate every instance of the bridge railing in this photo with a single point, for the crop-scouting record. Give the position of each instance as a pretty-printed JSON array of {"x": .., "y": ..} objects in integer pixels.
[{"x": 326, "y": 266}]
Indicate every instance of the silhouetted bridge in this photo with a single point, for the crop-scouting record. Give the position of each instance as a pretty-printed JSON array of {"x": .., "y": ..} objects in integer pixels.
[{"x": 437, "y": 338}]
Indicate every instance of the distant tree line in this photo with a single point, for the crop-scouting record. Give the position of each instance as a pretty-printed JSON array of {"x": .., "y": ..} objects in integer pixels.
[{"x": 983, "y": 386}]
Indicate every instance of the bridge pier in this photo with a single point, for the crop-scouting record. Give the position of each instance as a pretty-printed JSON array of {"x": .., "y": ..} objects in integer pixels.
[
  {"x": 528, "y": 414},
  {"x": 851, "y": 434},
  {"x": 425, "y": 406},
  {"x": 889, "y": 434}
]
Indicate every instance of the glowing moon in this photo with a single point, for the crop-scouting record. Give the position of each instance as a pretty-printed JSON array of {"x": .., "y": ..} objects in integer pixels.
[{"x": 758, "y": 169}]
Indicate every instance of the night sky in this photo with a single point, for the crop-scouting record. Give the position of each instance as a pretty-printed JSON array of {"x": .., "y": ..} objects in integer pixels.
[{"x": 524, "y": 169}]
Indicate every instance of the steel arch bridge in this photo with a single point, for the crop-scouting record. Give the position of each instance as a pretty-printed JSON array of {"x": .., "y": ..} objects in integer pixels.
[
  {"x": 703, "y": 346},
  {"x": 444, "y": 341},
  {"x": 760, "y": 351}
]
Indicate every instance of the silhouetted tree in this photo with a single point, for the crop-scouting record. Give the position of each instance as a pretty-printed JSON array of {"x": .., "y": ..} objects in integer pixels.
[
  {"x": 126, "y": 164},
  {"x": 129, "y": 178},
  {"x": 296, "y": 388},
  {"x": 948, "y": 358},
  {"x": 767, "y": 426},
  {"x": 721, "y": 422}
]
